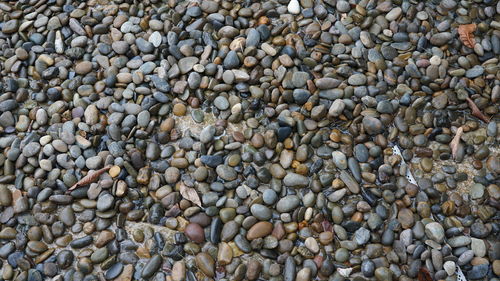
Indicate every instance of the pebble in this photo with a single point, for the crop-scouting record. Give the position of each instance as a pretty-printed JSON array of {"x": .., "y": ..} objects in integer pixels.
[
  {"x": 434, "y": 231},
  {"x": 287, "y": 203},
  {"x": 152, "y": 266},
  {"x": 206, "y": 264},
  {"x": 259, "y": 230},
  {"x": 295, "y": 180},
  {"x": 195, "y": 232},
  {"x": 294, "y": 7}
]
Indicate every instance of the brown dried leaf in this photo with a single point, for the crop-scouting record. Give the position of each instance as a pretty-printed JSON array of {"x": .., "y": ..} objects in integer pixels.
[
  {"x": 190, "y": 194},
  {"x": 91, "y": 177},
  {"x": 455, "y": 141},
  {"x": 424, "y": 275},
  {"x": 476, "y": 111},
  {"x": 465, "y": 34}
]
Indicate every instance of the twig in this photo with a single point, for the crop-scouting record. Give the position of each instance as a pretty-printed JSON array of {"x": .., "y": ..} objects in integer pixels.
[
  {"x": 456, "y": 141},
  {"x": 476, "y": 111},
  {"x": 90, "y": 177}
]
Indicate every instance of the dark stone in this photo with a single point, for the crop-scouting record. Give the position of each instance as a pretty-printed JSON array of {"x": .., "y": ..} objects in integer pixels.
[
  {"x": 81, "y": 242},
  {"x": 212, "y": 160},
  {"x": 283, "y": 133}
]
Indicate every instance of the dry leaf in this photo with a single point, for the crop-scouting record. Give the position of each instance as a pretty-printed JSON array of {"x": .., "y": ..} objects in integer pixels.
[
  {"x": 455, "y": 141},
  {"x": 90, "y": 177},
  {"x": 465, "y": 34},
  {"x": 424, "y": 275},
  {"x": 190, "y": 194},
  {"x": 476, "y": 111}
]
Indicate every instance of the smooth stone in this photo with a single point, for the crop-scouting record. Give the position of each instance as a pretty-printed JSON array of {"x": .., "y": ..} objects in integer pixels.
[
  {"x": 372, "y": 125},
  {"x": 231, "y": 60},
  {"x": 449, "y": 267},
  {"x": 295, "y": 180},
  {"x": 224, "y": 254},
  {"x": 269, "y": 196},
  {"x": 261, "y": 212},
  {"x": 383, "y": 274},
  {"x": 478, "y": 247},
  {"x": 221, "y": 103},
  {"x": 440, "y": 39},
  {"x": 179, "y": 271},
  {"x": 294, "y": 7},
  {"x": 259, "y": 230},
  {"x": 114, "y": 271},
  {"x": 435, "y": 231},
  {"x": 195, "y": 232},
  {"x": 205, "y": 263},
  {"x": 186, "y": 64},
  {"x": 289, "y": 269},
  {"x": 104, "y": 202},
  {"x": 339, "y": 159},
  {"x": 474, "y": 72},
  {"x": 478, "y": 271},
  {"x": 287, "y": 203},
  {"x": 299, "y": 79},
  {"x": 368, "y": 268},
  {"x": 207, "y": 134},
  {"x": 357, "y": 79},
  {"x": 152, "y": 266},
  {"x": 226, "y": 173}
]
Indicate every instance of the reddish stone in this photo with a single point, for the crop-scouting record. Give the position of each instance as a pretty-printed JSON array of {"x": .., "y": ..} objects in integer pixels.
[{"x": 195, "y": 232}]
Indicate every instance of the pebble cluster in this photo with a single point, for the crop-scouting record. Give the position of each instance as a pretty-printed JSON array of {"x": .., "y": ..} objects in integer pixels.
[{"x": 249, "y": 140}]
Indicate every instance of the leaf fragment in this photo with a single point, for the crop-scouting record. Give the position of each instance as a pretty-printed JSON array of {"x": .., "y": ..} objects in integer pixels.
[
  {"x": 91, "y": 177},
  {"x": 456, "y": 141},
  {"x": 476, "y": 111},
  {"x": 190, "y": 194},
  {"x": 424, "y": 275},
  {"x": 465, "y": 33}
]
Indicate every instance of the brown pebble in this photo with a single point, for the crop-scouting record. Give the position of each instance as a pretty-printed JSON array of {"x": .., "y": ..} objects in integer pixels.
[
  {"x": 253, "y": 269},
  {"x": 259, "y": 230},
  {"x": 179, "y": 109}
]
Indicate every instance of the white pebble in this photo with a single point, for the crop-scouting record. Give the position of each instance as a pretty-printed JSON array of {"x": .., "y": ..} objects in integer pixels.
[
  {"x": 294, "y": 7},
  {"x": 435, "y": 60},
  {"x": 155, "y": 39},
  {"x": 449, "y": 267}
]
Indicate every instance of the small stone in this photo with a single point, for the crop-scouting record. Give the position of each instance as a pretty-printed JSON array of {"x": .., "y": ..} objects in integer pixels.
[
  {"x": 179, "y": 271},
  {"x": 152, "y": 266},
  {"x": 393, "y": 14},
  {"x": 449, "y": 267},
  {"x": 186, "y": 64},
  {"x": 435, "y": 231},
  {"x": 225, "y": 254},
  {"x": 357, "y": 79},
  {"x": 226, "y": 173},
  {"x": 294, "y": 7},
  {"x": 195, "y": 232},
  {"x": 440, "y": 39},
  {"x": 295, "y": 180},
  {"x": 312, "y": 245},
  {"x": 206, "y": 264},
  {"x": 287, "y": 203},
  {"x": 259, "y": 230},
  {"x": 155, "y": 39}
]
